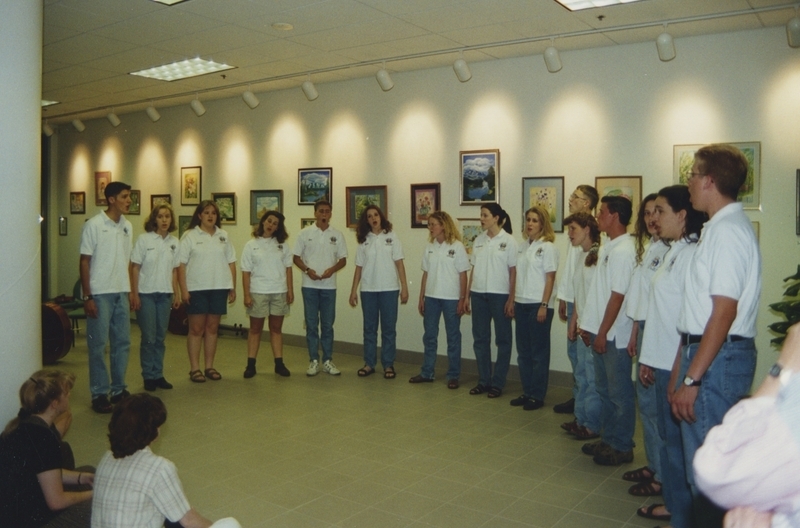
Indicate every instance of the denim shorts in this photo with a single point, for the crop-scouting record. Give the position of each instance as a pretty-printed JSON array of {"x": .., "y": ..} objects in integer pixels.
[
  {"x": 265, "y": 304},
  {"x": 213, "y": 302}
]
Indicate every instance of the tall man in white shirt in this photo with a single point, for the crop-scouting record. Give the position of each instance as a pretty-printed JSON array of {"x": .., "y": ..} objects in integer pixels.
[
  {"x": 717, "y": 358},
  {"x": 582, "y": 200},
  {"x": 320, "y": 251},
  {"x": 610, "y": 331},
  {"x": 106, "y": 244}
]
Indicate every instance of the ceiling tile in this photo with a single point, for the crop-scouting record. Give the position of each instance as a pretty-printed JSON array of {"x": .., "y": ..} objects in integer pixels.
[{"x": 83, "y": 48}]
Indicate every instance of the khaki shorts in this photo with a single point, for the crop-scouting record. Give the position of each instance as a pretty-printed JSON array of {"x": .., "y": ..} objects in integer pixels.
[{"x": 265, "y": 304}]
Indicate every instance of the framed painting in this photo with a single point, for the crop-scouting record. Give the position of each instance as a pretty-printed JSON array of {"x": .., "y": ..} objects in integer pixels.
[
  {"x": 425, "y": 199},
  {"x": 305, "y": 222},
  {"x": 183, "y": 224},
  {"x": 136, "y": 203},
  {"x": 263, "y": 201},
  {"x": 470, "y": 229},
  {"x": 191, "y": 185},
  {"x": 797, "y": 205},
  {"x": 313, "y": 185},
  {"x": 479, "y": 176},
  {"x": 77, "y": 202},
  {"x": 358, "y": 198},
  {"x": 227, "y": 207},
  {"x": 749, "y": 194},
  {"x": 158, "y": 199},
  {"x": 62, "y": 225},
  {"x": 101, "y": 179},
  {"x": 628, "y": 186},
  {"x": 547, "y": 192}
]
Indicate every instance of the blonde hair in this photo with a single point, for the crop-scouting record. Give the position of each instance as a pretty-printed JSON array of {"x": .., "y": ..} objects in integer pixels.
[
  {"x": 451, "y": 233},
  {"x": 38, "y": 392},
  {"x": 548, "y": 235}
]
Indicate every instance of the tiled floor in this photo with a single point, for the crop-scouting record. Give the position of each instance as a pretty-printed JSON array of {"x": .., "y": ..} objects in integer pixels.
[{"x": 350, "y": 451}]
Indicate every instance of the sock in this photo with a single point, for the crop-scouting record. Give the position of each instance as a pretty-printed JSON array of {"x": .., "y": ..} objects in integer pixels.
[
  {"x": 278, "y": 361},
  {"x": 251, "y": 362}
]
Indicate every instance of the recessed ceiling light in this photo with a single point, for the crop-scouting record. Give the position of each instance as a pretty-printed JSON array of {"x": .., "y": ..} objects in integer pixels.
[
  {"x": 45, "y": 102},
  {"x": 282, "y": 26},
  {"x": 182, "y": 70},
  {"x": 577, "y": 5},
  {"x": 169, "y": 2}
]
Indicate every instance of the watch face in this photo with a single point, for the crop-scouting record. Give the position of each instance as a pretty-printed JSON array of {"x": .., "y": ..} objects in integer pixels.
[{"x": 775, "y": 371}]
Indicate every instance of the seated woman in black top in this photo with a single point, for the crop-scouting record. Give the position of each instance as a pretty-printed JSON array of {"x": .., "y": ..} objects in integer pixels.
[{"x": 32, "y": 480}]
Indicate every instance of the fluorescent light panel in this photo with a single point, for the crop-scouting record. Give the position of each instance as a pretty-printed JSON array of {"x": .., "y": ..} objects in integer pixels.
[
  {"x": 169, "y": 2},
  {"x": 577, "y": 5},
  {"x": 45, "y": 102},
  {"x": 182, "y": 70}
]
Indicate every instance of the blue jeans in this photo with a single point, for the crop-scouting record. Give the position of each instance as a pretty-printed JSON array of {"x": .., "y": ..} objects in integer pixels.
[
  {"x": 587, "y": 403},
  {"x": 674, "y": 485},
  {"x": 648, "y": 413},
  {"x": 618, "y": 401},
  {"x": 726, "y": 381},
  {"x": 380, "y": 305},
  {"x": 153, "y": 318},
  {"x": 485, "y": 308},
  {"x": 572, "y": 354},
  {"x": 319, "y": 307},
  {"x": 434, "y": 309},
  {"x": 113, "y": 323},
  {"x": 533, "y": 349}
]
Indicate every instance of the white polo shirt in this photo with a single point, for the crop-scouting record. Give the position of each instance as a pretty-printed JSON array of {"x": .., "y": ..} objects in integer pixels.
[
  {"x": 444, "y": 264},
  {"x": 157, "y": 256},
  {"x": 266, "y": 260},
  {"x": 491, "y": 259},
  {"x": 639, "y": 291},
  {"x": 575, "y": 256},
  {"x": 661, "y": 336},
  {"x": 377, "y": 256},
  {"x": 615, "y": 264},
  {"x": 109, "y": 244},
  {"x": 534, "y": 260},
  {"x": 207, "y": 259},
  {"x": 727, "y": 263},
  {"x": 320, "y": 250},
  {"x": 581, "y": 282}
]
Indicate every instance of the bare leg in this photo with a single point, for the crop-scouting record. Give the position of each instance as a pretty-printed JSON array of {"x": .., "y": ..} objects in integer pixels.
[
  {"x": 276, "y": 334},
  {"x": 254, "y": 335},
  {"x": 197, "y": 325},
  {"x": 210, "y": 339}
]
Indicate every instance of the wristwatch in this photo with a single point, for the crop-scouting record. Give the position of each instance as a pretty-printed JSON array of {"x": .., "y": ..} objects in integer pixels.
[
  {"x": 691, "y": 382},
  {"x": 88, "y": 297},
  {"x": 783, "y": 374}
]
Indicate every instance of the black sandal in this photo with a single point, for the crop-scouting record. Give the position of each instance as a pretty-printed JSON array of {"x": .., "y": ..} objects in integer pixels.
[
  {"x": 389, "y": 373},
  {"x": 479, "y": 389},
  {"x": 365, "y": 371},
  {"x": 495, "y": 392}
]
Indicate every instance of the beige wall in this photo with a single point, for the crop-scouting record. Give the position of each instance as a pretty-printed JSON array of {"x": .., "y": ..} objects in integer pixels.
[{"x": 610, "y": 111}]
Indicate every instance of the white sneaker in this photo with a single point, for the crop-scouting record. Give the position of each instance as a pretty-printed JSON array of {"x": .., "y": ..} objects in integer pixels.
[
  {"x": 313, "y": 368},
  {"x": 330, "y": 368}
]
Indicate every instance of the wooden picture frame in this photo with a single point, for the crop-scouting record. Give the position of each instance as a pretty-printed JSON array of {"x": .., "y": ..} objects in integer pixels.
[
  {"x": 750, "y": 193},
  {"x": 263, "y": 201},
  {"x": 314, "y": 184},
  {"x": 470, "y": 229},
  {"x": 479, "y": 176},
  {"x": 358, "y": 198},
  {"x": 77, "y": 202},
  {"x": 191, "y": 185},
  {"x": 158, "y": 199},
  {"x": 547, "y": 192},
  {"x": 305, "y": 222},
  {"x": 136, "y": 203},
  {"x": 425, "y": 199},
  {"x": 628, "y": 186},
  {"x": 101, "y": 179},
  {"x": 226, "y": 202}
]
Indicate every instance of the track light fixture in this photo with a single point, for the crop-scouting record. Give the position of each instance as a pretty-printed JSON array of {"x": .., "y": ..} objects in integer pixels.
[
  {"x": 197, "y": 107},
  {"x": 47, "y": 129},
  {"x": 665, "y": 46},
  {"x": 78, "y": 124},
  {"x": 551, "y": 58},
  {"x": 793, "y": 31},
  {"x": 461, "y": 68},
  {"x": 152, "y": 113},
  {"x": 250, "y": 99},
  {"x": 384, "y": 79},
  {"x": 113, "y": 119},
  {"x": 309, "y": 90}
]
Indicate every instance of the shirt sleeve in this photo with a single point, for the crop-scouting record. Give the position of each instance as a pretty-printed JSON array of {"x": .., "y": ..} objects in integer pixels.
[
  {"x": 230, "y": 251},
  {"x": 733, "y": 254},
  {"x": 425, "y": 259},
  {"x": 247, "y": 263},
  {"x": 176, "y": 252},
  {"x": 397, "y": 249},
  {"x": 167, "y": 493},
  {"x": 341, "y": 248},
  {"x": 137, "y": 255},
  {"x": 186, "y": 248},
  {"x": 88, "y": 238},
  {"x": 299, "y": 245},
  {"x": 512, "y": 252},
  {"x": 287, "y": 256},
  {"x": 361, "y": 254},
  {"x": 550, "y": 258},
  {"x": 621, "y": 263},
  {"x": 462, "y": 260}
]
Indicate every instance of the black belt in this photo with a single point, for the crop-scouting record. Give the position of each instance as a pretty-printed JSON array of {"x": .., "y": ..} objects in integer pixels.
[{"x": 691, "y": 339}]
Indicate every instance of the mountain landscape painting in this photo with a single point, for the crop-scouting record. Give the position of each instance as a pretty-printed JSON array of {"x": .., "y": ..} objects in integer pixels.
[{"x": 480, "y": 177}]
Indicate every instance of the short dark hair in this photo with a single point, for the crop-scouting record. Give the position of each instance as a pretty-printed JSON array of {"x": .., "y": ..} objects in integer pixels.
[
  {"x": 114, "y": 188},
  {"x": 620, "y": 206},
  {"x": 134, "y": 424},
  {"x": 280, "y": 233},
  {"x": 726, "y": 164},
  {"x": 319, "y": 203}
]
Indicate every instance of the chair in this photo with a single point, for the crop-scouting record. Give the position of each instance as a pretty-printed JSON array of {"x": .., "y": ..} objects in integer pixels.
[{"x": 76, "y": 313}]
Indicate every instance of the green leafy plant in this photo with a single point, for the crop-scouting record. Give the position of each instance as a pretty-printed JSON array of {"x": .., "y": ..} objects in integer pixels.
[{"x": 789, "y": 308}]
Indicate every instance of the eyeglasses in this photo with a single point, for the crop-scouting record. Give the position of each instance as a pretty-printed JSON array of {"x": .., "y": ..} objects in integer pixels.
[
  {"x": 574, "y": 196},
  {"x": 693, "y": 174}
]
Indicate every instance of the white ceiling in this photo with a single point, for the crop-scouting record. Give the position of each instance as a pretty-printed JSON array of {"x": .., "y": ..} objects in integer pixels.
[{"x": 90, "y": 46}]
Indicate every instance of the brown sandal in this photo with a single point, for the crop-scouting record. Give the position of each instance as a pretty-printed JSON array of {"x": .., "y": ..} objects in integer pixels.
[
  {"x": 650, "y": 488},
  {"x": 197, "y": 376},
  {"x": 452, "y": 383},
  {"x": 213, "y": 375},
  {"x": 389, "y": 373}
]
